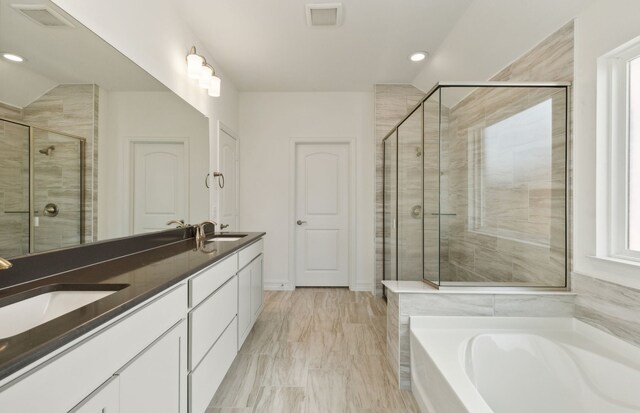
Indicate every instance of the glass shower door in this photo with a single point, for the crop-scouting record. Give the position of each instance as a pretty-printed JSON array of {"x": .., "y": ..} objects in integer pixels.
[
  {"x": 409, "y": 213},
  {"x": 57, "y": 190},
  {"x": 390, "y": 206},
  {"x": 434, "y": 245},
  {"x": 14, "y": 189}
]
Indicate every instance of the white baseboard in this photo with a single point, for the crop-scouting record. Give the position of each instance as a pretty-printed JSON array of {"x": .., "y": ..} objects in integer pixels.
[
  {"x": 278, "y": 286},
  {"x": 368, "y": 287}
]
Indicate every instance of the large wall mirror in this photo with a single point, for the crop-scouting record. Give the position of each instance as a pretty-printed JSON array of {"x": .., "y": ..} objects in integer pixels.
[{"x": 91, "y": 146}]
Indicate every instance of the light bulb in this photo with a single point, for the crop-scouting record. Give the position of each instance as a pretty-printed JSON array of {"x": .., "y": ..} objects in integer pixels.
[
  {"x": 194, "y": 65},
  {"x": 214, "y": 86},
  {"x": 206, "y": 72}
]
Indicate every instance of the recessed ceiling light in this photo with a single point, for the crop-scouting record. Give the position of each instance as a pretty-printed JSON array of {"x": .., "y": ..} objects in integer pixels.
[
  {"x": 13, "y": 57},
  {"x": 418, "y": 56}
]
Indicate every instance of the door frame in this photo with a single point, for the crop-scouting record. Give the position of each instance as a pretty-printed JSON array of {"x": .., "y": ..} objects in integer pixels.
[
  {"x": 351, "y": 145},
  {"x": 128, "y": 164},
  {"x": 224, "y": 128}
]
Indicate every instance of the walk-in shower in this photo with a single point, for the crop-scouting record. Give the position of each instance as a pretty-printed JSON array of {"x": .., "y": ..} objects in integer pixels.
[
  {"x": 41, "y": 189},
  {"x": 475, "y": 187}
]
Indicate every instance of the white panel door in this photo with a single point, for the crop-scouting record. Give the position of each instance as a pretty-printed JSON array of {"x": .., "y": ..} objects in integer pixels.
[
  {"x": 159, "y": 185},
  {"x": 322, "y": 214},
  {"x": 228, "y": 164}
]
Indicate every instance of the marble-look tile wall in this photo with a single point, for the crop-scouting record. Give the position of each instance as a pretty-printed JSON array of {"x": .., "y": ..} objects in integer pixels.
[
  {"x": 71, "y": 109},
  {"x": 405, "y": 305},
  {"x": 14, "y": 189},
  {"x": 503, "y": 182},
  {"x": 409, "y": 214},
  {"x": 611, "y": 307},
  {"x": 56, "y": 179},
  {"x": 392, "y": 103}
]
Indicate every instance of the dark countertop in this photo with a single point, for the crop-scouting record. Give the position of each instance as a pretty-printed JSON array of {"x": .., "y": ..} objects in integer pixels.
[{"x": 139, "y": 276}]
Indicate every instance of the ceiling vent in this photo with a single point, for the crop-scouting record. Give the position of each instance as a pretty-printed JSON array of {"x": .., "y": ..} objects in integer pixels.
[
  {"x": 324, "y": 14},
  {"x": 42, "y": 15}
]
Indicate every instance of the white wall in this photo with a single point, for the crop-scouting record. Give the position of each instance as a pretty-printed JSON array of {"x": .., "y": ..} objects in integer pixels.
[
  {"x": 491, "y": 34},
  {"x": 153, "y": 34},
  {"x": 603, "y": 26},
  {"x": 125, "y": 115},
  {"x": 268, "y": 121}
]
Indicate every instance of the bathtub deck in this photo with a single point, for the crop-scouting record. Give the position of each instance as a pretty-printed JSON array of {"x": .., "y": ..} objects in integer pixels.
[{"x": 315, "y": 350}]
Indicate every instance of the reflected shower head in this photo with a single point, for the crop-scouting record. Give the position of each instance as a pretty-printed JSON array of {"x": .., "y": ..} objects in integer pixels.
[{"x": 47, "y": 151}]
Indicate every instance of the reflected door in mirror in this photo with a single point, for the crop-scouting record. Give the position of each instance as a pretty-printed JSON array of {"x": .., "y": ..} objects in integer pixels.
[{"x": 160, "y": 190}]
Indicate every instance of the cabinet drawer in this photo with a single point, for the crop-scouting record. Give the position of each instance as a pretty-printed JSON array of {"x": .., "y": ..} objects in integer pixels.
[
  {"x": 202, "y": 285},
  {"x": 246, "y": 255},
  {"x": 105, "y": 399},
  {"x": 204, "y": 381},
  {"x": 209, "y": 320},
  {"x": 60, "y": 383}
]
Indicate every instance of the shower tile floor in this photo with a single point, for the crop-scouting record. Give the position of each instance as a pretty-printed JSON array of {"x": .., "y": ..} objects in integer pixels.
[{"x": 314, "y": 350}]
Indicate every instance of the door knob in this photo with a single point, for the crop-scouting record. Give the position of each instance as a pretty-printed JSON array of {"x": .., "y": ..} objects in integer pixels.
[{"x": 299, "y": 222}]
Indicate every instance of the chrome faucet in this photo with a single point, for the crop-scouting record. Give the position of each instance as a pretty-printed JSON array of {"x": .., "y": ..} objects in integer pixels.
[
  {"x": 5, "y": 264},
  {"x": 201, "y": 235}
]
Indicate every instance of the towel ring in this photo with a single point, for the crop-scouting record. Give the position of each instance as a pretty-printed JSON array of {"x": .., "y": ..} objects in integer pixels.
[{"x": 218, "y": 175}]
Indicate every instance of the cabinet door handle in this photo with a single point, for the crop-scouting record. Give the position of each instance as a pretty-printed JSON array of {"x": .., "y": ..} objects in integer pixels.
[{"x": 299, "y": 222}]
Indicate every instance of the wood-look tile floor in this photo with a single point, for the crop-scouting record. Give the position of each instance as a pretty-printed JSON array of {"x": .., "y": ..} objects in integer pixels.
[{"x": 314, "y": 350}]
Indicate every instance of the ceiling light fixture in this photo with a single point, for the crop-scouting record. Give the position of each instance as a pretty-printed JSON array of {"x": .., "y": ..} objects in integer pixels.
[
  {"x": 198, "y": 68},
  {"x": 418, "y": 56},
  {"x": 13, "y": 57}
]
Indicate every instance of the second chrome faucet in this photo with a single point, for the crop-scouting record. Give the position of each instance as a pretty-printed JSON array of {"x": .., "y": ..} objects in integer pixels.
[{"x": 201, "y": 233}]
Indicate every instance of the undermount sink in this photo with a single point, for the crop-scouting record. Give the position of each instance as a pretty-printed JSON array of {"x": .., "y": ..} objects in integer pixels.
[
  {"x": 46, "y": 303},
  {"x": 230, "y": 237}
]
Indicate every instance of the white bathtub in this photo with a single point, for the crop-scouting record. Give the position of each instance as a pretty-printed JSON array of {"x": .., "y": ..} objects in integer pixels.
[{"x": 521, "y": 365}]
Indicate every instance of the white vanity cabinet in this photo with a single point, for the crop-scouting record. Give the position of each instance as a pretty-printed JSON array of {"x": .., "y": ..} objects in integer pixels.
[
  {"x": 212, "y": 330},
  {"x": 154, "y": 380},
  {"x": 250, "y": 289},
  {"x": 80, "y": 376},
  {"x": 167, "y": 355},
  {"x": 149, "y": 382},
  {"x": 106, "y": 399}
]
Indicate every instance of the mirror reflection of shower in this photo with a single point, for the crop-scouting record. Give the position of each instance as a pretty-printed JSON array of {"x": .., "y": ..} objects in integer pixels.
[
  {"x": 48, "y": 150},
  {"x": 42, "y": 189}
]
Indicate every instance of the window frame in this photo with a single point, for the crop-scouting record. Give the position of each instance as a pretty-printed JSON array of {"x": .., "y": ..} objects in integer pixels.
[{"x": 618, "y": 113}]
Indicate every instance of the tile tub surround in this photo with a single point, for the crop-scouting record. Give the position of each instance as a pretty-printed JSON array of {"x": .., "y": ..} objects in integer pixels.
[
  {"x": 415, "y": 298},
  {"x": 143, "y": 274},
  {"x": 611, "y": 307}
]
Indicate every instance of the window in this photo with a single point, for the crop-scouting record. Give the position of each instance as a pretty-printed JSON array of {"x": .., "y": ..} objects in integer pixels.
[
  {"x": 633, "y": 210},
  {"x": 623, "y": 133}
]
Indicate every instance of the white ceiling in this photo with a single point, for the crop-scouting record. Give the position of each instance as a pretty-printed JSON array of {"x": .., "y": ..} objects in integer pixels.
[
  {"x": 60, "y": 55},
  {"x": 267, "y": 45}
]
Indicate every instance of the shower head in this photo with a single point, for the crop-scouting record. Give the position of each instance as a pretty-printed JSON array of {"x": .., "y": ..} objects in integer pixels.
[{"x": 47, "y": 151}]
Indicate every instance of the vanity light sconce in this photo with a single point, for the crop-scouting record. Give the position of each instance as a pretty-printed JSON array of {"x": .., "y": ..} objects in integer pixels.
[{"x": 198, "y": 68}]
